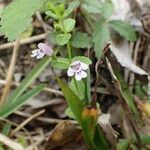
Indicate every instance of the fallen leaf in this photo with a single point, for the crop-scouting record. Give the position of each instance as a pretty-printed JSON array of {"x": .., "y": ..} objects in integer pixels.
[
  {"x": 122, "y": 54},
  {"x": 110, "y": 133},
  {"x": 65, "y": 136}
]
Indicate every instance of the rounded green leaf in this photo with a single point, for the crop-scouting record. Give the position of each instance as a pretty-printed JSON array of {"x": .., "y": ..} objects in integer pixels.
[
  {"x": 69, "y": 24},
  {"x": 83, "y": 59},
  {"x": 60, "y": 63},
  {"x": 62, "y": 39}
]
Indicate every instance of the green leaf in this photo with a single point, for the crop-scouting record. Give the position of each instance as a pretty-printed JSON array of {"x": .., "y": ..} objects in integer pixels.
[
  {"x": 92, "y": 6},
  {"x": 83, "y": 59},
  {"x": 100, "y": 37},
  {"x": 10, "y": 107},
  {"x": 124, "y": 29},
  {"x": 69, "y": 113},
  {"x": 1, "y": 147},
  {"x": 85, "y": 122},
  {"x": 123, "y": 144},
  {"x": 29, "y": 79},
  {"x": 72, "y": 6},
  {"x": 6, "y": 129},
  {"x": 73, "y": 101},
  {"x": 107, "y": 9},
  {"x": 17, "y": 17},
  {"x": 51, "y": 14},
  {"x": 81, "y": 40},
  {"x": 51, "y": 37},
  {"x": 69, "y": 24},
  {"x": 27, "y": 33},
  {"x": 78, "y": 88},
  {"x": 126, "y": 92},
  {"x": 63, "y": 39},
  {"x": 22, "y": 140},
  {"x": 60, "y": 10},
  {"x": 145, "y": 138},
  {"x": 60, "y": 63},
  {"x": 1, "y": 10}
]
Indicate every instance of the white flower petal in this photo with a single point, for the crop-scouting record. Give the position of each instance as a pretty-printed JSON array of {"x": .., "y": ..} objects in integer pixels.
[
  {"x": 40, "y": 55},
  {"x": 84, "y": 66},
  {"x": 35, "y": 53},
  {"x": 83, "y": 74},
  {"x": 70, "y": 72},
  {"x": 78, "y": 76}
]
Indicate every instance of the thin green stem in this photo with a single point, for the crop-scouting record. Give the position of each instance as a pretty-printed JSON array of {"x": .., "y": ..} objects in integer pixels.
[
  {"x": 88, "y": 88},
  {"x": 69, "y": 51}
]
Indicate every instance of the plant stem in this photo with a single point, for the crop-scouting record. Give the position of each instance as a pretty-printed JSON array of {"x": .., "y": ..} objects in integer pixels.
[
  {"x": 88, "y": 88},
  {"x": 69, "y": 51}
]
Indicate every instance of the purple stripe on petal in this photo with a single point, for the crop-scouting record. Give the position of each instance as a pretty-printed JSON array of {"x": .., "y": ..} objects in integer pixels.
[{"x": 45, "y": 48}]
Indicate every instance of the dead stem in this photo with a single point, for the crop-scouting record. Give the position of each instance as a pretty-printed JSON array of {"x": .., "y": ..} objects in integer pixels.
[
  {"x": 10, "y": 143},
  {"x": 124, "y": 104},
  {"x": 10, "y": 72},
  {"x": 25, "y": 41},
  {"x": 26, "y": 121},
  {"x": 25, "y": 131},
  {"x": 57, "y": 92},
  {"x": 44, "y": 119}
]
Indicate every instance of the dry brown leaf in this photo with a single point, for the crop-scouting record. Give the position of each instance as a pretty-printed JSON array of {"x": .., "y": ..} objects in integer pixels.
[
  {"x": 65, "y": 136},
  {"x": 122, "y": 54},
  {"x": 111, "y": 136}
]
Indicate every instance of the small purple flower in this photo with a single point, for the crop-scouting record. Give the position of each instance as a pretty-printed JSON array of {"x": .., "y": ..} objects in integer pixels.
[
  {"x": 77, "y": 68},
  {"x": 43, "y": 49}
]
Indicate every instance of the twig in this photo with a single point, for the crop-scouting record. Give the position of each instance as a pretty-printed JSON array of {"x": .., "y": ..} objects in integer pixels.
[
  {"x": 10, "y": 72},
  {"x": 132, "y": 75},
  {"x": 45, "y": 26},
  {"x": 124, "y": 104},
  {"x": 24, "y": 41},
  {"x": 24, "y": 129},
  {"x": 57, "y": 92},
  {"x": 44, "y": 119},
  {"x": 7, "y": 141},
  {"x": 26, "y": 121},
  {"x": 148, "y": 86}
]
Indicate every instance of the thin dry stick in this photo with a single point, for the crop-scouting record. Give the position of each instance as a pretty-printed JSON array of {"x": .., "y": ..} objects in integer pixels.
[
  {"x": 10, "y": 72},
  {"x": 148, "y": 92},
  {"x": 25, "y": 130},
  {"x": 132, "y": 75},
  {"x": 10, "y": 143},
  {"x": 45, "y": 26},
  {"x": 27, "y": 121},
  {"x": 44, "y": 119},
  {"x": 124, "y": 104},
  {"x": 25, "y": 41},
  {"x": 57, "y": 92}
]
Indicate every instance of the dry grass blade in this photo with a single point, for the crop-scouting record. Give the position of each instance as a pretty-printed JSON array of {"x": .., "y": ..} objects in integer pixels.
[
  {"x": 10, "y": 72},
  {"x": 27, "y": 121},
  {"x": 44, "y": 119},
  {"x": 25, "y": 41},
  {"x": 7, "y": 141},
  {"x": 57, "y": 92}
]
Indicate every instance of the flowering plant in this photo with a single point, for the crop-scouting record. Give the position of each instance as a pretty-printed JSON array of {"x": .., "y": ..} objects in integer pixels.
[{"x": 75, "y": 33}]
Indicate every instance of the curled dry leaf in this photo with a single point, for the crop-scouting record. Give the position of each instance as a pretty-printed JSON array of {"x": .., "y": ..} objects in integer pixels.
[
  {"x": 122, "y": 54},
  {"x": 144, "y": 109},
  {"x": 65, "y": 136},
  {"x": 104, "y": 122}
]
